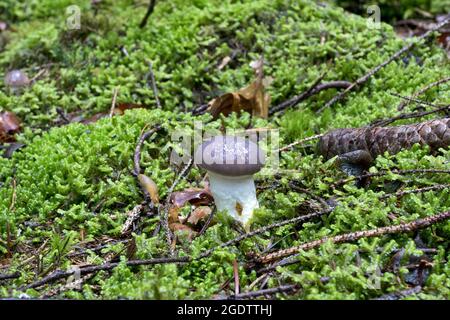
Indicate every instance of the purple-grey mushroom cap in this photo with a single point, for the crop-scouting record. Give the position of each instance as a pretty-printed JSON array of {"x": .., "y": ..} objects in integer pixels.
[
  {"x": 231, "y": 156},
  {"x": 16, "y": 79}
]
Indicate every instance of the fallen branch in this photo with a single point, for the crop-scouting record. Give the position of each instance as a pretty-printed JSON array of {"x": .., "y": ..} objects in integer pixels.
[
  {"x": 150, "y": 8},
  {"x": 14, "y": 275},
  {"x": 414, "y": 191},
  {"x": 400, "y": 294},
  {"x": 289, "y": 146},
  {"x": 259, "y": 293},
  {"x": 244, "y": 236},
  {"x": 383, "y": 173},
  {"x": 151, "y": 75},
  {"x": 403, "y": 104},
  {"x": 353, "y": 236},
  {"x": 59, "y": 274},
  {"x": 373, "y": 71},
  {"x": 314, "y": 89}
]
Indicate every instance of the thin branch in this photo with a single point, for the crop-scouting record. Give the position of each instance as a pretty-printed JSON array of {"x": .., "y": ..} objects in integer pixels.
[
  {"x": 353, "y": 236},
  {"x": 151, "y": 75},
  {"x": 59, "y": 274},
  {"x": 383, "y": 173},
  {"x": 314, "y": 89},
  {"x": 113, "y": 103},
  {"x": 150, "y": 8},
  {"x": 14, "y": 275},
  {"x": 137, "y": 153},
  {"x": 414, "y": 191},
  {"x": 400, "y": 294},
  {"x": 403, "y": 104},
  {"x": 259, "y": 293},
  {"x": 301, "y": 141},
  {"x": 373, "y": 71},
  {"x": 244, "y": 236}
]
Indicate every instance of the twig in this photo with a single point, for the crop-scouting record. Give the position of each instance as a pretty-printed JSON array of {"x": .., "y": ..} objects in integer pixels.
[
  {"x": 244, "y": 236},
  {"x": 137, "y": 152},
  {"x": 414, "y": 191},
  {"x": 133, "y": 215},
  {"x": 259, "y": 293},
  {"x": 301, "y": 141},
  {"x": 150, "y": 8},
  {"x": 400, "y": 294},
  {"x": 373, "y": 71},
  {"x": 383, "y": 173},
  {"x": 403, "y": 104},
  {"x": 113, "y": 103},
  {"x": 314, "y": 89},
  {"x": 153, "y": 83},
  {"x": 353, "y": 236},
  {"x": 59, "y": 274},
  {"x": 14, "y": 275}
]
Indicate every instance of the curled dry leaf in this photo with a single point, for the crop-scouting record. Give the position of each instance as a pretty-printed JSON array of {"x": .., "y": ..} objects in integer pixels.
[
  {"x": 252, "y": 98},
  {"x": 150, "y": 186},
  {"x": 200, "y": 213},
  {"x": 9, "y": 125}
]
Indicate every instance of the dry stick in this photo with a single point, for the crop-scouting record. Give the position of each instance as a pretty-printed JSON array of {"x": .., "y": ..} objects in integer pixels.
[
  {"x": 208, "y": 222},
  {"x": 113, "y": 103},
  {"x": 137, "y": 153},
  {"x": 153, "y": 81},
  {"x": 408, "y": 116},
  {"x": 238, "y": 239},
  {"x": 259, "y": 293},
  {"x": 414, "y": 191},
  {"x": 353, "y": 236},
  {"x": 14, "y": 275},
  {"x": 289, "y": 146},
  {"x": 400, "y": 294},
  {"x": 59, "y": 274},
  {"x": 150, "y": 8},
  {"x": 403, "y": 104},
  {"x": 314, "y": 89},
  {"x": 133, "y": 215},
  {"x": 383, "y": 173},
  {"x": 396, "y": 55}
]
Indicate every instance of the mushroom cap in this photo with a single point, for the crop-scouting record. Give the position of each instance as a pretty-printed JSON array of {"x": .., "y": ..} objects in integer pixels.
[
  {"x": 231, "y": 156},
  {"x": 16, "y": 78}
]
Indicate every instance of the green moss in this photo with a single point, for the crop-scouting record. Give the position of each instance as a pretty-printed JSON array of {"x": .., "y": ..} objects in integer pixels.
[{"x": 74, "y": 183}]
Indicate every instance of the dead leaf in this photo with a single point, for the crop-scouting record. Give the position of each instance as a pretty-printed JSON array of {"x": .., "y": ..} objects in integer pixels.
[
  {"x": 194, "y": 196},
  {"x": 150, "y": 186},
  {"x": 198, "y": 214},
  {"x": 9, "y": 126},
  {"x": 179, "y": 228},
  {"x": 252, "y": 98}
]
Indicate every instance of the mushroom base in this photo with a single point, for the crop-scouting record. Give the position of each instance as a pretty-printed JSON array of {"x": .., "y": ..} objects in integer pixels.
[{"x": 236, "y": 195}]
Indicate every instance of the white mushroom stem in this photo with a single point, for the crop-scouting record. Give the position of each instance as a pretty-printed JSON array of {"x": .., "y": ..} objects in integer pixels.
[{"x": 236, "y": 195}]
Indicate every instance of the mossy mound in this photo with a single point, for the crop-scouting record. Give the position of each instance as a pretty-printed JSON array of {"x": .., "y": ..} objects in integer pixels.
[{"x": 73, "y": 184}]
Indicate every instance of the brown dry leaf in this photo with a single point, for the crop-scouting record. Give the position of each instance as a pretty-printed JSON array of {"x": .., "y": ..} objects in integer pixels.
[
  {"x": 194, "y": 196},
  {"x": 178, "y": 228},
  {"x": 150, "y": 186},
  {"x": 9, "y": 126},
  {"x": 252, "y": 98},
  {"x": 198, "y": 214}
]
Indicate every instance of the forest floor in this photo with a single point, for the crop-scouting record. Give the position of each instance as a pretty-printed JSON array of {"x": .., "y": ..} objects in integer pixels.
[{"x": 92, "y": 207}]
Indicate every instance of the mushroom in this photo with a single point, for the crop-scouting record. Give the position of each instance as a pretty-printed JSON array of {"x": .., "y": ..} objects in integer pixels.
[
  {"x": 16, "y": 79},
  {"x": 231, "y": 162}
]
